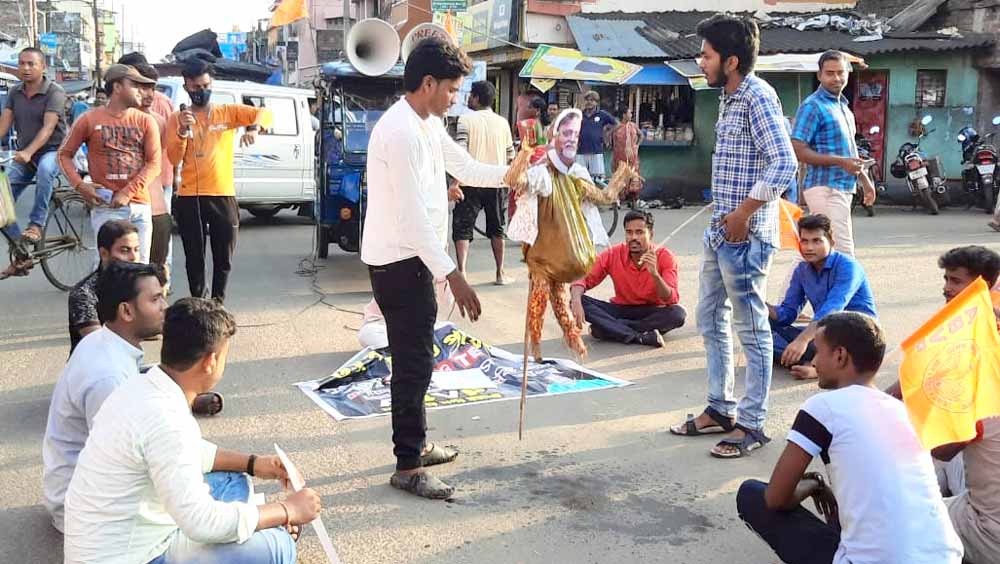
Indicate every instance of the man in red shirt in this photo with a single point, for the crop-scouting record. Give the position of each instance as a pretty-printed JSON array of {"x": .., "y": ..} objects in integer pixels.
[{"x": 645, "y": 305}]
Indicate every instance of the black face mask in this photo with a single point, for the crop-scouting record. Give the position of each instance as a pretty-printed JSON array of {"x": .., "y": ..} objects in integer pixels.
[{"x": 200, "y": 97}]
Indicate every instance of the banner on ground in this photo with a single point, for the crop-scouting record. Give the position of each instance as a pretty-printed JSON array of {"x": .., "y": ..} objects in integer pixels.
[
  {"x": 950, "y": 374},
  {"x": 466, "y": 371},
  {"x": 561, "y": 63}
]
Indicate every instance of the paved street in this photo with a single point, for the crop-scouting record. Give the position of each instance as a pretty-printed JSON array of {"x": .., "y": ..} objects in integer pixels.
[{"x": 597, "y": 478}]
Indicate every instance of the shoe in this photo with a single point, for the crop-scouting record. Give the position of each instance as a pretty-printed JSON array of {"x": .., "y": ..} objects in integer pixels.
[
  {"x": 422, "y": 484},
  {"x": 651, "y": 339}
]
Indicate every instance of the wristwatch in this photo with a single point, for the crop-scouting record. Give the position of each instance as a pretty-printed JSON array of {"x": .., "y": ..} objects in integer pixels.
[{"x": 252, "y": 128}]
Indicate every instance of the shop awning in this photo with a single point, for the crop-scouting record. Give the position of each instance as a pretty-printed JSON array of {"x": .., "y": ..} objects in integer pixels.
[
  {"x": 781, "y": 62},
  {"x": 656, "y": 74},
  {"x": 569, "y": 64}
]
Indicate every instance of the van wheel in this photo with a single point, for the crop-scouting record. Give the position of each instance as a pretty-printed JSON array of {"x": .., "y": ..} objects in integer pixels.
[{"x": 264, "y": 212}]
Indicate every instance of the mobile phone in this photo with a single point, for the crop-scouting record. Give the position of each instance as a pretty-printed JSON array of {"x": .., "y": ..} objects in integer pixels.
[{"x": 105, "y": 194}]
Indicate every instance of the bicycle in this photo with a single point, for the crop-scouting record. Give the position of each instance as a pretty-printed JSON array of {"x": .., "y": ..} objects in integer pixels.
[{"x": 67, "y": 250}]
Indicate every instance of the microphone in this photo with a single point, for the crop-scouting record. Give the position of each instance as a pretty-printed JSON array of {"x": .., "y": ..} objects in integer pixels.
[{"x": 190, "y": 132}]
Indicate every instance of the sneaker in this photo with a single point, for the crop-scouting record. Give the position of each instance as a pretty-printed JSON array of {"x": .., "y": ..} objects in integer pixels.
[{"x": 651, "y": 339}]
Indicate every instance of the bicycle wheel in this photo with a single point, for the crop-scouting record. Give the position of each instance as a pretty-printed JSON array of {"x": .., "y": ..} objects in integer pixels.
[{"x": 68, "y": 250}]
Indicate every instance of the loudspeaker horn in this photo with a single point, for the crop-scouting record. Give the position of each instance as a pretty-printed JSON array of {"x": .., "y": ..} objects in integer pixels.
[
  {"x": 372, "y": 46},
  {"x": 421, "y": 32}
]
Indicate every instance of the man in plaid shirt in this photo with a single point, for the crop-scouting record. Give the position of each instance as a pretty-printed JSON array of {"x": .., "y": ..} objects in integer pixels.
[
  {"x": 824, "y": 140},
  {"x": 753, "y": 164}
]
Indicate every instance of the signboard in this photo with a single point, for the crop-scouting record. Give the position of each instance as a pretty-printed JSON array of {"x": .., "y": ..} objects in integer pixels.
[
  {"x": 233, "y": 44},
  {"x": 488, "y": 25},
  {"x": 49, "y": 42},
  {"x": 329, "y": 44},
  {"x": 446, "y": 5},
  {"x": 569, "y": 64}
]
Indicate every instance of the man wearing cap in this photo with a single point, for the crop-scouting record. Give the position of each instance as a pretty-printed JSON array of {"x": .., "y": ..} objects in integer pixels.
[{"x": 123, "y": 155}]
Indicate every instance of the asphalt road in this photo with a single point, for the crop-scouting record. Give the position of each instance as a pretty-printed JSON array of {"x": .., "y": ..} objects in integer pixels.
[{"x": 597, "y": 477}]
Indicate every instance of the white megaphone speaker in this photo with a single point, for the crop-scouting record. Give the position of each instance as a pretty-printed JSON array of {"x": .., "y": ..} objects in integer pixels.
[
  {"x": 372, "y": 46},
  {"x": 421, "y": 32}
]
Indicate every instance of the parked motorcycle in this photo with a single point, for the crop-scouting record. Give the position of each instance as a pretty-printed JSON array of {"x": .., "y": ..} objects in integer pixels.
[
  {"x": 924, "y": 176},
  {"x": 866, "y": 152},
  {"x": 979, "y": 165}
]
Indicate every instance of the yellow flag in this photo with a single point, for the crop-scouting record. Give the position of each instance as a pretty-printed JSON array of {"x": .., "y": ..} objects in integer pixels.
[
  {"x": 289, "y": 11},
  {"x": 950, "y": 375}
]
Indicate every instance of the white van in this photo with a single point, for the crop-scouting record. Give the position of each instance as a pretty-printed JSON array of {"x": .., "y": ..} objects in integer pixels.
[{"x": 277, "y": 171}]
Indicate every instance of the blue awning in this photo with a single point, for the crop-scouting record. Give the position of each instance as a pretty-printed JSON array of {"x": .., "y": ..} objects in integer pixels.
[{"x": 656, "y": 74}]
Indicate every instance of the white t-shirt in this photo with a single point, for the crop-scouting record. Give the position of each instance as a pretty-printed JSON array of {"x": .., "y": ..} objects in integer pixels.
[{"x": 891, "y": 511}]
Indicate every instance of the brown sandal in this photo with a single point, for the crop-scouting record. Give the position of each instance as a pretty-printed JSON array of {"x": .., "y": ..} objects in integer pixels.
[{"x": 33, "y": 234}]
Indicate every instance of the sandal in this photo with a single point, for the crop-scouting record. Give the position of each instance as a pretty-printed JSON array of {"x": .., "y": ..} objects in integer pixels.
[
  {"x": 994, "y": 225},
  {"x": 750, "y": 442},
  {"x": 438, "y": 455},
  {"x": 33, "y": 234},
  {"x": 17, "y": 268},
  {"x": 422, "y": 484},
  {"x": 207, "y": 404},
  {"x": 690, "y": 429}
]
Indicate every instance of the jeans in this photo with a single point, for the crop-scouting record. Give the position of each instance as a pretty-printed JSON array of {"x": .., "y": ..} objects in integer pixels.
[
  {"x": 404, "y": 292},
  {"x": 140, "y": 215},
  {"x": 733, "y": 288},
  {"x": 624, "y": 323},
  {"x": 836, "y": 205},
  {"x": 783, "y": 335},
  {"x": 796, "y": 536},
  {"x": 270, "y": 546},
  {"x": 43, "y": 171}
]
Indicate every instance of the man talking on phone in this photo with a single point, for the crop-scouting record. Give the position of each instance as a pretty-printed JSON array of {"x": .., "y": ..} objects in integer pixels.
[{"x": 200, "y": 139}]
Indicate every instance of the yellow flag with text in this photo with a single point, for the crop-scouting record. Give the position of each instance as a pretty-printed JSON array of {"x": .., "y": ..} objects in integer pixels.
[
  {"x": 288, "y": 11},
  {"x": 950, "y": 375}
]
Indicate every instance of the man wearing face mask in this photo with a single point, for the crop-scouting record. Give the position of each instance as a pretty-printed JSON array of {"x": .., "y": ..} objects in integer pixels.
[{"x": 201, "y": 140}]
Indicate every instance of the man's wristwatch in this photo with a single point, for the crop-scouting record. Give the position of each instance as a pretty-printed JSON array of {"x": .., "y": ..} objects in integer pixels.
[
  {"x": 250, "y": 463},
  {"x": 252, "y": 128}
]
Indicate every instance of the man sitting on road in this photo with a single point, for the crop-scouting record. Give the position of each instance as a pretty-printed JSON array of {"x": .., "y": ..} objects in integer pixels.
[
  {"x": 645, "y": 305},
  {"x": 117, "y": 240},
  {"x": 142, "y": 491},
  {"x": 882, "y": 503},
  {"x": 831, "y": 281},
  {"x": 130, "y": 299}
]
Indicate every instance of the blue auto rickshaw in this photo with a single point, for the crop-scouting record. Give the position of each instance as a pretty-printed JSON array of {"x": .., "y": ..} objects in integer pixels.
[{"x": 352, "y": 105}]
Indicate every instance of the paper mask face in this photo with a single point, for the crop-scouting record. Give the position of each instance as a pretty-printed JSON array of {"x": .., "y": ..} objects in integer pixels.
[{"x": 568, "y": 137}]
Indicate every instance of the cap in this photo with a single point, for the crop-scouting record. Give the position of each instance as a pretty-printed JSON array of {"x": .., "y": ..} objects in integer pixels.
[{"x": 118, "y": 72}]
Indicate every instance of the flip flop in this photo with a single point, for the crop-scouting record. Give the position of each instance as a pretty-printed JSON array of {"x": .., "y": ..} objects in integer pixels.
[
  {"x": 690, "y": 429},
  {"x": 422, "y": 484},
  {"x": 994, "y": 225},
  {"x": 438, "y": 455},
  {"x": 504, "y": 281},
  {"x": 33, "y": 234},
  {"x": 750, "y": 442},
  {"x": 22, "y": 268},
  {"x": 207, "y": 404}
]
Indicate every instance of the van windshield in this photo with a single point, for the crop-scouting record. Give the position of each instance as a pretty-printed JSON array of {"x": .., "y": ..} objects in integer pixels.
[{"x": 363, "y": 105}]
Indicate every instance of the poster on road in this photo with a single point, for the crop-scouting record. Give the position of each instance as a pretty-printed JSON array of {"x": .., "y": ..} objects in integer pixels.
[{"x": 466, "y": 371}]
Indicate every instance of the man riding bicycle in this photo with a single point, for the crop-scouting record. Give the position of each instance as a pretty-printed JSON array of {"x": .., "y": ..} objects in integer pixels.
[{"x": 35, "y": 108}]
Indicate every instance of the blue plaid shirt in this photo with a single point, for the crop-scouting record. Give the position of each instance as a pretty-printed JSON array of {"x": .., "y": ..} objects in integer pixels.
[
  {"x": 753, "y": 159},
  {"x": 826, "y": 124}
]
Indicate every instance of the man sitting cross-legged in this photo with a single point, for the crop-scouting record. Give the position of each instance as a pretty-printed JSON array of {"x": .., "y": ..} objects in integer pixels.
[
  {"x": 831, "y": 281},
  {"x": 882, "y": 503},
  {"x": 131, "y": 301},
  {"x": 139, "y": 494},
  {"x": 646, "y": 298}
]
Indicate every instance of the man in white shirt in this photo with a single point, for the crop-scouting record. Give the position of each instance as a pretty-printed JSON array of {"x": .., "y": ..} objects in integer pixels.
[
  {"x": 139, "y": 493},
  {"x": 130, "y": 299},
  {"x": 487, "y": 138},
  {"x": 405, "y": 235},
  {"x": 882, "y": 504}
]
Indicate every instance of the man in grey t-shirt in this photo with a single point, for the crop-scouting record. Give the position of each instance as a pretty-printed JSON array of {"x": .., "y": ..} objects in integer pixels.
[{"x": 35, "y": 109}]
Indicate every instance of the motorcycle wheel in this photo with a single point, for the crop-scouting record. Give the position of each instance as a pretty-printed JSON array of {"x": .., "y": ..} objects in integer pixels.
[
  {"x": 929, "y": 202},
  {"x": 989, "y": 199}
]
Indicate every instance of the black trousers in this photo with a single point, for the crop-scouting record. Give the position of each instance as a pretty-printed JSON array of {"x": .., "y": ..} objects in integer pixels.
[
  {"x": 404, "y": 292},
  {"x": 796, "y": 536},
  {"x": 220, "y": 222},
  {"x": 493, "y": 201},
  {"x": 624, "y": 323}
]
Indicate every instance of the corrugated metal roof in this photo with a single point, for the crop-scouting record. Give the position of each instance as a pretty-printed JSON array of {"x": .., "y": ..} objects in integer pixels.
[
  {"x": 613, "y": 38},
  {"x": 673, "y": 33}
]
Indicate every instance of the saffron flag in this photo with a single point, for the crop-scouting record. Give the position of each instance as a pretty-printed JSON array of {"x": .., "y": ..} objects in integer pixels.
[
  {"x": 288, "y": 11},
  {"x": 950, "y": 375},
  {"x": 788, "y": 224}
]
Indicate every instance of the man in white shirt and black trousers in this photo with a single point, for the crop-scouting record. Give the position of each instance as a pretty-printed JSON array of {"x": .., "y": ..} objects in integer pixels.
[{"x": 405, "y": 239}]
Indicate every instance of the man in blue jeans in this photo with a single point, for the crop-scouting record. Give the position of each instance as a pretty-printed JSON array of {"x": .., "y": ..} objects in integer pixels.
[
  {"x": 34, "y": 108},
  {"x": 752, "y": 165},
  {"x": 830, "y": 281}
]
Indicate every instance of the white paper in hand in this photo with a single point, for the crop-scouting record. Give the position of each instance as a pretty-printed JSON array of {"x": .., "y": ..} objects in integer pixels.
[{"x": 298, "y": 482}]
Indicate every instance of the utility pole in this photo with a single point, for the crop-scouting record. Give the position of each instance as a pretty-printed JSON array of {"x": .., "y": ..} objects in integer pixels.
[
  {"x": 98, "y": 51},
  {"x": 32, "y": 23}
]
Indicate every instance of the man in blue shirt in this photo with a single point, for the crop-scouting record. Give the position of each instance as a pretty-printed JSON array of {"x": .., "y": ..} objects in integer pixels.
[
  {"x": 824, "y": 139},
  {"x": 595, "y": 123},
  {"x": 830, "y": 281},
  {"x": 752, "y": 166}
]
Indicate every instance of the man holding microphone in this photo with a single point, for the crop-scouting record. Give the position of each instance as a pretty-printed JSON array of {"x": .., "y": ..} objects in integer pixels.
[{"x": 201, "y": 140}]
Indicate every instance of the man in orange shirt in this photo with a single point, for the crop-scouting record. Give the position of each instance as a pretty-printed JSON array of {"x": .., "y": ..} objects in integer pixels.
[
  {"x": 201, "y": 139},
  {"x": 123, "y": 155}
]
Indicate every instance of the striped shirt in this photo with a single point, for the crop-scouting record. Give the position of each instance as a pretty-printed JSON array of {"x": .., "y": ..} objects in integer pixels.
[
  {"x": 753, "y": 159},
  {"x": 826, "y": 124}
]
